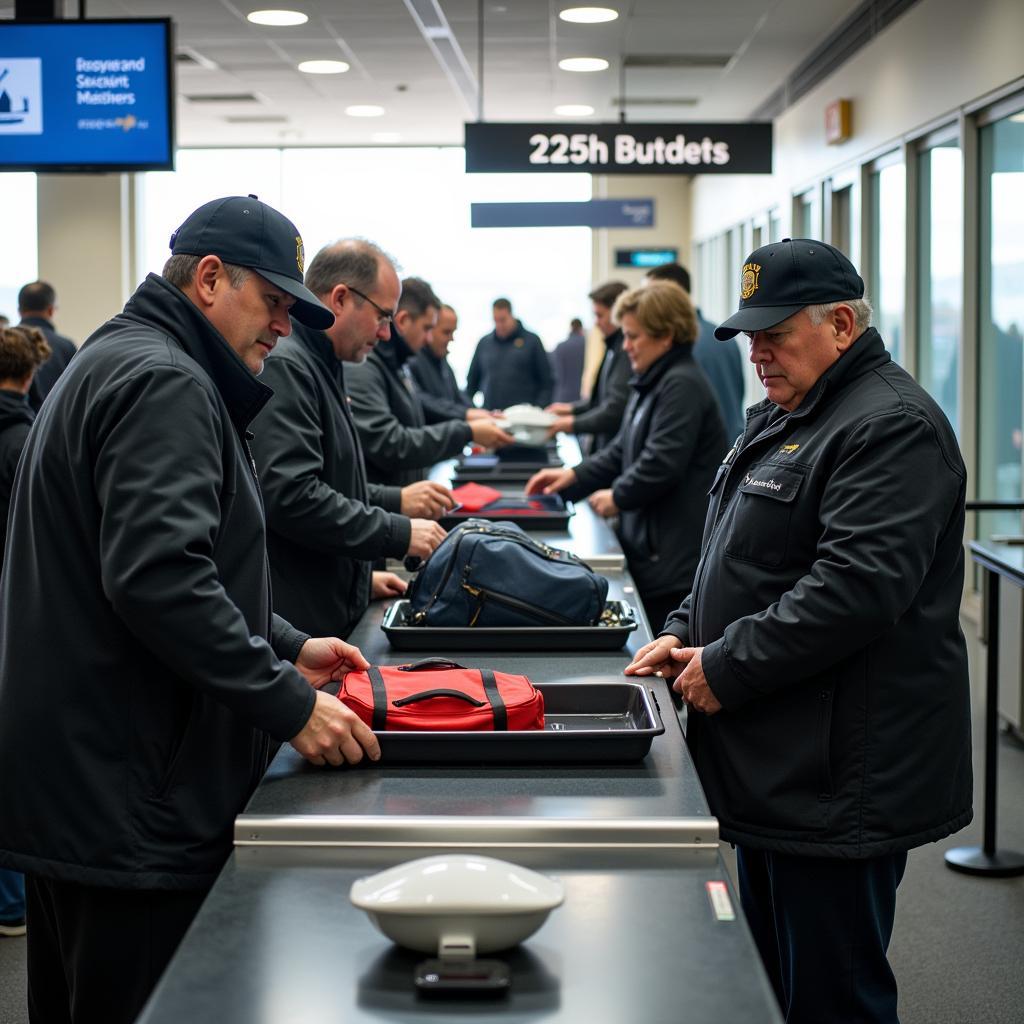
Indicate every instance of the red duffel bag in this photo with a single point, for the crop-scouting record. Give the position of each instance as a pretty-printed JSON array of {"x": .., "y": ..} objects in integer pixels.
[{"x": 439, "y": 695}]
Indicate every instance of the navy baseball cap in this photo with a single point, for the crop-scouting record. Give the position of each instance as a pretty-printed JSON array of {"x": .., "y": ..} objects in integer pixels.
[
  {"x": 248, "y": 233},
  {"x": 779, "y": 279}
]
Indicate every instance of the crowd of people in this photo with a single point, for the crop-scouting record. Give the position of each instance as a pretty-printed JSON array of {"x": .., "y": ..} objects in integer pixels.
[{"x": 207, "y": 492}]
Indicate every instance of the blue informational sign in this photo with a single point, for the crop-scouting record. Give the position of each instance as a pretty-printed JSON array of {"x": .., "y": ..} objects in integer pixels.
[
  {"x": 86, "y": 95},
  {"x": 597, "y": 213},
  {"x": 645, "y": 257}
]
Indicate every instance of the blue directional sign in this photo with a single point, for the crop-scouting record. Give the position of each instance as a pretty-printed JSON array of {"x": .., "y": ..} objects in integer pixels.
[{"x": 597, "y": 213}]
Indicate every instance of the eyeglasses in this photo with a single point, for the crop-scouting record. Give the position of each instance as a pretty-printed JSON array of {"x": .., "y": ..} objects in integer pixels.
[{"x": 386, "y": 316}]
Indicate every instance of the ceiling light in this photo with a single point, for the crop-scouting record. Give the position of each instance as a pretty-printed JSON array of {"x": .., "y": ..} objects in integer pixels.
[
  {"x": 574, "y": 110},
  {"x": 277, "y": 18},
  {"x": 364, "y": 110},
  {"x": 323, "y": 67},
  {"x": 583, "y": 64},
  {"x": 385, "y": 137},
  {"x": 588, "y": 15}
]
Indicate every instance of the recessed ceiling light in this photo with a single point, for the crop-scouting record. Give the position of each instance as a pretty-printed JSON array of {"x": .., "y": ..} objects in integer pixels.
[
  {"x": 323, "y": 67},
  {"x": 277, "y": 18},
  {"x": 583, "y": 64},
  {"x": 574, "y": 110},
  {"x": 588, "y": 15},
  {"x": 364, "y": 110},
  {"x": 385, "y": 137}
]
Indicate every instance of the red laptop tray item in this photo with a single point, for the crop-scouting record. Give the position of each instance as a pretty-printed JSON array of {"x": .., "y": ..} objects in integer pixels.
[
  {"x": 438, "y": 695},
  {"x": 473, "y": 497}
]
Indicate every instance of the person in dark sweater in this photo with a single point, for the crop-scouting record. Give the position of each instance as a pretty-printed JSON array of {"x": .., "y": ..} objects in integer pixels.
[
  {"x": 567, "y": 363},
  {"x": 653, "y": 478},
  {"x": 600, "y": 415},
  {"x": 510, "y": 365},
  {"x": 37, "y": 302}
]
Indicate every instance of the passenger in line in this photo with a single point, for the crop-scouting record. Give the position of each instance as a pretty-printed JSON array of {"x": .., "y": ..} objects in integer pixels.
[
  {"x": 567, "y": 363},
  {"x": 820, "y": 651},
  {"x": 137, "y": 730},
  {"x": 37, "y": 304},
  {"x": 721, "y": 362},
  {"x": 325, "y": 523},
  {"x": 22, "y": 351},
  {"x": 399, "y": 443},
  {"x": 510, "y": 365},
  {"x": 600, "y": 415},
  {"x": 654, "y": 476}
]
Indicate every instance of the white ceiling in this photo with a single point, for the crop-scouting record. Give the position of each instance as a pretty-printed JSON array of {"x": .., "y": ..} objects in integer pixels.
[{"x": 393, "y": 66}]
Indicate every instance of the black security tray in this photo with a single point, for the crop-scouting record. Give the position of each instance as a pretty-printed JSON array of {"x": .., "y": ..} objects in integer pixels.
[
  {"x": 404, "y": 636},
  {"x": 515, "y": 464},
  {"x": 555, "y": 515},
  {"x": 584, "y": 723}
]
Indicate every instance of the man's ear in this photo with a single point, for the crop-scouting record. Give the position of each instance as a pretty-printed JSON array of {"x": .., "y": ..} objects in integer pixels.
[
  {"x": 210, "y": 275},
  {"x": 844, "y": 326},
  {"x": 336, "y": 299},
  {"x": 402, "y": 319}
]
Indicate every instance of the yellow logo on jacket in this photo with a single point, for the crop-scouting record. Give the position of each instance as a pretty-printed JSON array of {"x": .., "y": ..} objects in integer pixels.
[{"x": 748, "y": 282}]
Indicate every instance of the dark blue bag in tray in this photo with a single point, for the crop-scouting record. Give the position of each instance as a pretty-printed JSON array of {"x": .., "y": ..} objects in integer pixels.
[{"x": 487, "y": 573}]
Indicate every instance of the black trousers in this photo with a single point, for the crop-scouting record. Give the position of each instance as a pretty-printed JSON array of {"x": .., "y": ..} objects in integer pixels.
[
  {"x": 658, "y": 607},
  {"x": 822, "y": 926},
  {"x": 94, "y": 955}
]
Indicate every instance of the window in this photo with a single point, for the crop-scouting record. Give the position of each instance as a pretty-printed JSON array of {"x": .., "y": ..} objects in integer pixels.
[
  {"x": 1001, "y": 313},
  {"x": 940, "y": 277},
  {"x": 807, "y": 214},
  {"x": 19, "y": 260},
  {"x": 774, "y": 226},
  {"x": 888, "y": 256}
]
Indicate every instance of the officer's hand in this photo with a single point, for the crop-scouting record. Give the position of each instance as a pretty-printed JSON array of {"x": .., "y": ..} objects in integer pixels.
[
  {"x": 327, "y": 658},
  {"x": 559, "y": 408},
  {"x": 654, "y": 659},
  {"x": 603, "y": 503},
  {"x": 424, "y": 538},
  {"x": 550, "y": 481},
  {"x": 335, "y": 735},
  {"x": 562, "y": 425},
  {"x": 489, "y": 434},
  {"x": 386, "y": 584},
  {"x": 691, "y": 683},
  {"x": 426, "y": 499}
]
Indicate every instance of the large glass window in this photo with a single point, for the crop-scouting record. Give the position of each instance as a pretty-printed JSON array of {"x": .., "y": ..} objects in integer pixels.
[
  {"x": 19, "y": 259},
  {"x": 807, "y": 214},
  {"x": 415, "y": 203},
  {"x": 940, "y": 279},
  {"x": 889, "y": 254},
  {"x": 1001, "y": 314}
]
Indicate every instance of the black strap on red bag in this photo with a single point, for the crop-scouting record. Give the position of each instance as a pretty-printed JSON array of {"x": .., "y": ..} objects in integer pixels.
[{"x": 380, "y": 699}]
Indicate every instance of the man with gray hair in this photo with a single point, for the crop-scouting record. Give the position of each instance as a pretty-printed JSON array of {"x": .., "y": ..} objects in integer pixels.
[
  {"x": 326, "y": 523},
  {"x": 820, "y": 650}
]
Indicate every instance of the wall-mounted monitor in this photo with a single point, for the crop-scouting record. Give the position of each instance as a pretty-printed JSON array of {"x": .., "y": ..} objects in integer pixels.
[{"x": 86, "y": 95}]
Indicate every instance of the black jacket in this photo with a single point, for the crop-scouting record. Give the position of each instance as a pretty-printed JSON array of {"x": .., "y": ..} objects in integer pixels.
[
  {"x": 723, "y": 364},
  {"x": 322, "y": 530},
  {"x": 15, "y": 419},
  {"x": 435, "y": 383},
  {"x": 61, "y": 351},
  {"x": 601, "y": 414},
  {"x": 140, "y": 664},
  {"x": 398, "y": 444},
  {"x": 827, "y": 603},
  {"x": 511, "y": 370},
  {"x": 659, "y": 467}
]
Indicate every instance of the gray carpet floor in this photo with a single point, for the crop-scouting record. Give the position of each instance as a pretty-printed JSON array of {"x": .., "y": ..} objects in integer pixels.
[{"x": 958, "y": 946}]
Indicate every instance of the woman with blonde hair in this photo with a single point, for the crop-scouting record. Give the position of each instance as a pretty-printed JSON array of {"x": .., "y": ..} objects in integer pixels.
[{"x": 655, "y": 475}]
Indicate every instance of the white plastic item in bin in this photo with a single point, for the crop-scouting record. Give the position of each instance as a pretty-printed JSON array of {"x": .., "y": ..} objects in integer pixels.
[
  {"x": 528, "y": 424},
  {"x": 456, "y": 906}
]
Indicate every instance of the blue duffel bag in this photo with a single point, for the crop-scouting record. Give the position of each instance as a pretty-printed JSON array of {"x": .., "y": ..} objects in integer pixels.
[{"x": 487, "y": 573}]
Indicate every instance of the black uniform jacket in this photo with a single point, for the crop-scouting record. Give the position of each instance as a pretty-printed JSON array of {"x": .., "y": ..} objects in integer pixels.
[
  {"x": 601, "y": 414},
  {"x": 140, "y": 664},
  {"x": 436, "y": 385},
  {"x": 659, "y": 467},
  {"x": 322, "y": 530},
  {"x": 827, "y": 602},
  {"x": 15, "y": 419},
  {"x": 511, "y": 370},
  {"x": 61, "y": 351},
  {"x": 398, "y": 444}
]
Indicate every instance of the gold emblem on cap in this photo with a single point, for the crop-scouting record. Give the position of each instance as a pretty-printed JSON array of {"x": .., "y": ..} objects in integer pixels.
[
  {"x": 300, "y": 255},
  {"x": 748, "y": 282}
]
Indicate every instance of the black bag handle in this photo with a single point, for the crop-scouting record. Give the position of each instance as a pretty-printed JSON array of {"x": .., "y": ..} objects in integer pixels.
[
  {"x": 429, "y": 663},
  {"x": 380, "y": 696},
  {"x": 414, "y": 698}
]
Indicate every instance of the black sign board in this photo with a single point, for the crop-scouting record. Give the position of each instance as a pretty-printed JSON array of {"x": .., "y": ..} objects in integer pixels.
[{"x": 742, "y": 148}]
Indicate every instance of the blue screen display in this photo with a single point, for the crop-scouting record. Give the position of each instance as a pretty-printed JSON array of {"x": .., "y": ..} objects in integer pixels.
[{"x": 86, "y": 95}]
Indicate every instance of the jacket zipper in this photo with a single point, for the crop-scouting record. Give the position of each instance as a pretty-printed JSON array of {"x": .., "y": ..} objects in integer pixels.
[{"x": 483, "y": 595}]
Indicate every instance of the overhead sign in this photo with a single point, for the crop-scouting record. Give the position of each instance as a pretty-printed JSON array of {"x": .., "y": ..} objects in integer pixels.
[
  {"x": 597, "y": 213},
  {"x": 645, "y": 257},
  {"x": 743, "y": 148}
]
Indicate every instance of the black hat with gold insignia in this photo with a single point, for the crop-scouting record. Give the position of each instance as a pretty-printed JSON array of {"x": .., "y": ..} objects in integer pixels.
[
  {"x": 779, "y": 279},
  {"x": 243, "y": 231}
]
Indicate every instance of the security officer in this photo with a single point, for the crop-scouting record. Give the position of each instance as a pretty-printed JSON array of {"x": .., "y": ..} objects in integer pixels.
[
  {"x": 510, "y": 365},
  {"x": 820, "y": 650}
]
